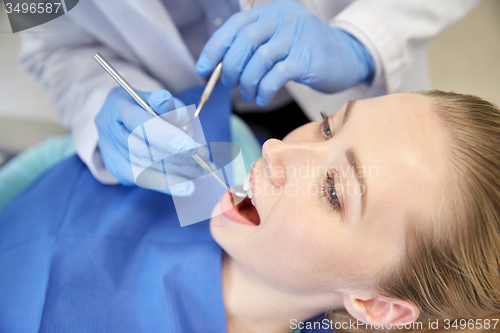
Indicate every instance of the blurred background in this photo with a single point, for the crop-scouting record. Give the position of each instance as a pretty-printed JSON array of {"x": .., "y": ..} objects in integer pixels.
[{"x": 465, "y": 58}]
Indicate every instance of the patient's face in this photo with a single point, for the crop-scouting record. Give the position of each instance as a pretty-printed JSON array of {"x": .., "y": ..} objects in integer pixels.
[{"x": 324, "y": 225}]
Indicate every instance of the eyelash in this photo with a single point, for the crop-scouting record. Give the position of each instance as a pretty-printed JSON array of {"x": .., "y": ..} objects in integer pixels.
[
  {"x": 328, "y": 191},
  {"x": 323, "y": 126}
]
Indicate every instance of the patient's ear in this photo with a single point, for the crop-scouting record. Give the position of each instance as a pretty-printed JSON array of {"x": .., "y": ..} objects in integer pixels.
[{"x": 377, "y": 309}]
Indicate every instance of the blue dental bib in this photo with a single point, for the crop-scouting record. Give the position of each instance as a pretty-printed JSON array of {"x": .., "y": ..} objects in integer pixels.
[{"x": 80, "y": 256}]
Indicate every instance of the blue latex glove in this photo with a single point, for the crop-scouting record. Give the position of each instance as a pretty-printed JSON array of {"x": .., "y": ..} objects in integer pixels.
[
  {"x": 121, "y": 115},
  {"x": 264, "y": 47}
]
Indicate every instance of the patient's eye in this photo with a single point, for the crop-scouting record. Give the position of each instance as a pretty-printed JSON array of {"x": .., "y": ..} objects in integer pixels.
[
  {"x": 329, "y": 192},
  {"x": 325, "y": 126}
]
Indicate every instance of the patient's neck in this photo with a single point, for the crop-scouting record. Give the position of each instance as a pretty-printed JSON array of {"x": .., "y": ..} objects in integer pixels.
[{"x": 251, "y": 305}]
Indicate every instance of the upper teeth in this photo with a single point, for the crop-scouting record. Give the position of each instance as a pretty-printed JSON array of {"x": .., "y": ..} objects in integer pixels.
[{"x": 247, "y": 187}]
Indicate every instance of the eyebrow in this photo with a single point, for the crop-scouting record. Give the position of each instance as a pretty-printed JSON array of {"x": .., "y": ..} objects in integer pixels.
[
  {"x": 347, "y": 112},
  {"x": 353, "y": 161}
]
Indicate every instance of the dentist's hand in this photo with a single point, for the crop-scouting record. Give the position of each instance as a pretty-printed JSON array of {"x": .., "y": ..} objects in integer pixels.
[
  {"x": 264, "y": 47},
  {"x": 121, "y": 140}
]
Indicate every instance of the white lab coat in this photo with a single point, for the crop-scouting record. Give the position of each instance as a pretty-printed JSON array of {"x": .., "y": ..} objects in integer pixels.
[{"x": 141, "y": 41}]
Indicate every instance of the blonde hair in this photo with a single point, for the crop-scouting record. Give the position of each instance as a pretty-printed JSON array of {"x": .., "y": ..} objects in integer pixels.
[{"x": 455, "y": 273}]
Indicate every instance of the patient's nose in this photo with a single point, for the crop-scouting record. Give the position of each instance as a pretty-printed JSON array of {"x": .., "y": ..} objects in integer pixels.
[{"x": 283, "y": 159}]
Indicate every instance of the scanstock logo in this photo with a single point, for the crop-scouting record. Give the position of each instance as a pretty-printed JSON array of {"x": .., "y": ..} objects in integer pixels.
[{"x": 26, "y": 14}]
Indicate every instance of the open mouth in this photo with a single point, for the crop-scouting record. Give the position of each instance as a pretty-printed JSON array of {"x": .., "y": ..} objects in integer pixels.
[
  {"x": 243, "y": 212},
  {"x": 248, "y": 211}
]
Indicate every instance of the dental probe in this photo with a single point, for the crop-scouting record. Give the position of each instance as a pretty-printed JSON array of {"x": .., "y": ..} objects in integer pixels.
[
  {"x": 121, "y": 81},
  {"x": 211, "y": 82}
]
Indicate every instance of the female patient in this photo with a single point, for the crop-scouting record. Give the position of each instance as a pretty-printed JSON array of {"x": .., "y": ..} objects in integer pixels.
[
  {"x": 388, "y": 209},
  {"x": 417, "y": 238}
]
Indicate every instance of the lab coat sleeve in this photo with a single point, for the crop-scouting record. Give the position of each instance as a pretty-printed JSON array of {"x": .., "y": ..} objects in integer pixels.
[
  {"x": 395, "y": 31},
  {"x": 60, "y": 56}
]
